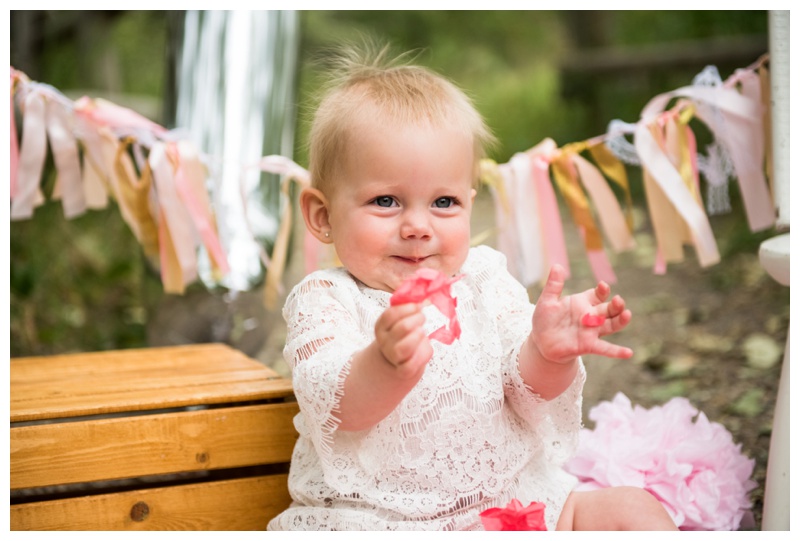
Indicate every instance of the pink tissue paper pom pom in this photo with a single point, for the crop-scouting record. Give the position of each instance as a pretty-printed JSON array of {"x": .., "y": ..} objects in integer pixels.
[{"x": 674, "y": 452}]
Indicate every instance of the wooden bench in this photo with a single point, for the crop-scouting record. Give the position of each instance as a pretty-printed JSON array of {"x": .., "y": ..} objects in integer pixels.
[{"x": 179, "y": 438}]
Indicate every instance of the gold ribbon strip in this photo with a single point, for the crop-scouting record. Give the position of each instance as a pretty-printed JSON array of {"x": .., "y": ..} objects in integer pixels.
[
  {"x": 566, "y": 179},
  {"x": 277, "y": 264},
  {"x": 614, "y": 169},
  {"x": 135, "y": 193}
]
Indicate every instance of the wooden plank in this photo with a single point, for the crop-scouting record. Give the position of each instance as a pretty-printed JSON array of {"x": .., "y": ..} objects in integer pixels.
[
  {"x": 137, "y": 360},
  {"x": 107, "y": 382},
  {"x": 240, "y": 504},
  {"x": 164, "y": 377},
  {"x": 85, "y": 451},
  {"x": 59, "y": 406}
]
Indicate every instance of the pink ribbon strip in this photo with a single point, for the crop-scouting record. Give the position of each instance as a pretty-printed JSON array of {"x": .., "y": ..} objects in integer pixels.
[
  {"x": 32, "y": 155},
  {"x": 601, "y": 266},
  {"x": 555, "y": 247},
  {"x": 101, "y": 112},
  {"x": 173, "y": 210},
  {"x": 189, "y": 178}
]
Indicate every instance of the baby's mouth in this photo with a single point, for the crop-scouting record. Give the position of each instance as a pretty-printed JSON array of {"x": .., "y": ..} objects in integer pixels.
[{"x": 411, "y": 259}]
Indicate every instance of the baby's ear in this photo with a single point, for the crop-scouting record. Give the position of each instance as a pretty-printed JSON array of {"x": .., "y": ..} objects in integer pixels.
[{"x": 314, "y": 206}]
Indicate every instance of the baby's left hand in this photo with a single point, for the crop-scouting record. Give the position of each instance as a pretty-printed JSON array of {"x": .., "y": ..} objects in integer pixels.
[{"x": 559, "y": 330}]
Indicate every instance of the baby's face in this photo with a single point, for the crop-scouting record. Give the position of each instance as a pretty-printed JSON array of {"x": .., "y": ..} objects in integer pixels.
[{"x": 402, "y": 202}]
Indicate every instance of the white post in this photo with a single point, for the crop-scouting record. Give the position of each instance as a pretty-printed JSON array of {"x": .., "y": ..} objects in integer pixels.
[
  {"x": 774, "y": 257},
  {"x": 779, "y": 89}
]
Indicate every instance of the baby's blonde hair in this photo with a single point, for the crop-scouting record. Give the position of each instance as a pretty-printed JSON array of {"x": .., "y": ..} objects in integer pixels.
[{"x": 402, "y": 93}]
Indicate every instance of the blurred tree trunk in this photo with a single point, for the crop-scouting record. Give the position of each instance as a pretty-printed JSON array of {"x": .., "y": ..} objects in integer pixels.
[
  {"x": 34, "y": 32},
  {"x": 175, "y": 29},
  {"x": 27, "y": 41},
  {"x": 588, "y": 30}
]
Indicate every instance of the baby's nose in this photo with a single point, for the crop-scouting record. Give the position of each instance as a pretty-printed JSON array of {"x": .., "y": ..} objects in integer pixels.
[{"x": 416, "y": 225}]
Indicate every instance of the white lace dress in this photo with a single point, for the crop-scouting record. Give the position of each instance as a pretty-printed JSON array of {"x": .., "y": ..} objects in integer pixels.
[{"x": 469, "y": 436}]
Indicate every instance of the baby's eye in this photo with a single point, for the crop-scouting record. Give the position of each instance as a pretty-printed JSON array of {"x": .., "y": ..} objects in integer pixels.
[
  {"x": 444, "y": 202},
  {"x": 384, "y": 201}
]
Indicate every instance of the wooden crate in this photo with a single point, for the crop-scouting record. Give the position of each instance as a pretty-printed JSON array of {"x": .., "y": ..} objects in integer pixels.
[{"x": 178, "y": 438}]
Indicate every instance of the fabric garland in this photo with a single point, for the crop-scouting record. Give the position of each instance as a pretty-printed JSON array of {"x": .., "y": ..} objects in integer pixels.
[{"x": 102, "y": 151}]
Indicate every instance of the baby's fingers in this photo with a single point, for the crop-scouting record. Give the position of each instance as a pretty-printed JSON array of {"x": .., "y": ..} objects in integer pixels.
[
  {"x": 399, "y": 332},
  {"x": 614, "y": 351},
  {"x": 406, "y": 345},
  {"x": 396, "y": 318},
  {"x": 616, "y": 306},
  {"x": 619, "y": 322},
  {"x": 611, "y": 316},
  {"x": 601, "y": 291},
  {"x": 554, "y": 286},
  {"x": 421, "y": 352}
]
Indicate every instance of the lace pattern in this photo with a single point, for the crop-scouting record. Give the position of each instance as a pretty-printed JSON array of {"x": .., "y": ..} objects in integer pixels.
[{"x": 469, "y": 436}]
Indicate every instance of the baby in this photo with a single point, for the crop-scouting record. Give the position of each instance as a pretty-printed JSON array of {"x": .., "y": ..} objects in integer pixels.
[{"x": 399, "y": 431}]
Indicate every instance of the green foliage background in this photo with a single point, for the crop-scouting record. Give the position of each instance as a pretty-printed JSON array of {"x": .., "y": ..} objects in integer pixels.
[{"x": 83, "y": 284}]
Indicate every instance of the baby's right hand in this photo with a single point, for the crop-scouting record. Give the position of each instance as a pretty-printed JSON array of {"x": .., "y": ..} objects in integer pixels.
[{"x": 402, "y": 340}]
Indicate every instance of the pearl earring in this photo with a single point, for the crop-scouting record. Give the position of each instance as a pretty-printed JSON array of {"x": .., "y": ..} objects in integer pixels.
[{"x": 327, "y": 234}]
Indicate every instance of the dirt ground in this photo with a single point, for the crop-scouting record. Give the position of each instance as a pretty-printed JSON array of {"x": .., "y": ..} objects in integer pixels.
[
  {"x": 721, "y": 349},
  {"x": 715, "y": 336}
]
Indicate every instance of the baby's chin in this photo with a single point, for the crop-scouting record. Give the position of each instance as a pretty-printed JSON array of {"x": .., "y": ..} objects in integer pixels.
[{"x": 377, "y": 283}]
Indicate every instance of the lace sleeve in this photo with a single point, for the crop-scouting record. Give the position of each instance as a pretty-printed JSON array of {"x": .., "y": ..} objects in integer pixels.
[{"x": 323, "y": 333}]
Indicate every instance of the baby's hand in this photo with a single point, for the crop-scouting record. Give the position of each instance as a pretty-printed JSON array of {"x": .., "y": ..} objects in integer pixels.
[
  {"x": 564, "y": 328},
  {"x": 401, "y": 339}
]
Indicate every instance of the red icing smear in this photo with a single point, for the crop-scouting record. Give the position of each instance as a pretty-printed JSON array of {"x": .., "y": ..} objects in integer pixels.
[
  {"x": 592, "y": 321},
  {"x": 514, "y": 517},
  {"x": 434, "y": 286}
]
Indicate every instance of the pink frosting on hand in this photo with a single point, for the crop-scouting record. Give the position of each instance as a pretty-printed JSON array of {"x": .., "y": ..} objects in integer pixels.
[{"x": 589, "y": 320}]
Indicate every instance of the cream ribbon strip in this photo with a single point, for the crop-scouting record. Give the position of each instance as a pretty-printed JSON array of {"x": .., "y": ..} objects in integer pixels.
[
  {"x": 33, "y": 151},
  {"x": 175, "y": 231},
  {"x": 605, "y": 202},
  {"x": 275, "y": 265},
  {"x": 64, "y": 148},
  {"x": 14, "y": 150},
  {"x": 737, "y": 121},
  {"x": 168, "y": 210},
  {"x": 530, "y": 264},
  {"x": 663, "y": 175}
]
